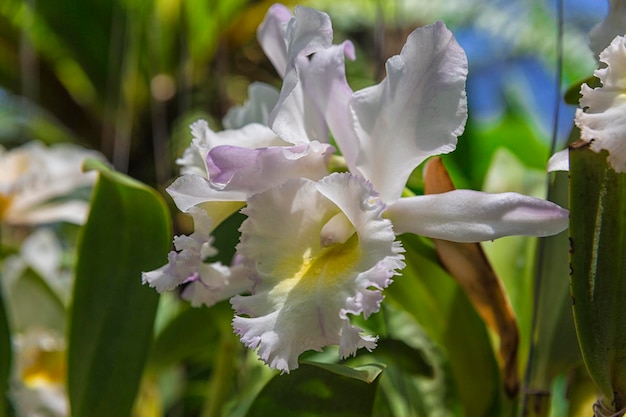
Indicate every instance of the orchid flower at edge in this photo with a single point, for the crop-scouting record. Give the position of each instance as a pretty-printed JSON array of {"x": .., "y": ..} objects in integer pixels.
[{"x": 308, "y": 260}]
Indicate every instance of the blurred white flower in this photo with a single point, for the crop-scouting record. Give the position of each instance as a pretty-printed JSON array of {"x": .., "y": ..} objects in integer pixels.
[
  {"x": 33, "y": 178},
  {"x": 38, "y": 384},
  {"x": 37, "y": 286}
]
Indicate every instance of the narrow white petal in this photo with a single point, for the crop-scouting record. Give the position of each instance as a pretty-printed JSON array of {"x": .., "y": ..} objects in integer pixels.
[
  {"x": 417, "y": 111},
  {"x": 473, "y": 216}
]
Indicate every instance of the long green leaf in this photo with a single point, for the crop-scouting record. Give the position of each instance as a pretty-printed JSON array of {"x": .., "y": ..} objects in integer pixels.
[
  {"x": 598, "y": 261},
  {"x": 556, "y": 349},
  {"x": 128, "y": 231},
  {"x": 317, "y": 389},
  {"x": 439, "y": 305}
]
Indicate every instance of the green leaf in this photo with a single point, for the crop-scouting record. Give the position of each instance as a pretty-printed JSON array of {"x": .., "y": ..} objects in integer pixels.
[
  {"x": 439, "y": 305},
  {"x": 128, "y": 231},
  {"x": 405, "y": 357},
  {"x": 417, "y": 380},
  {"x": 5, "y": 356},
  {"x": 598, "y": 281},
  {"x": 193, "y": 331},
  {"x": 556, "y": 348},
  {"x": 317, "y": 389}
]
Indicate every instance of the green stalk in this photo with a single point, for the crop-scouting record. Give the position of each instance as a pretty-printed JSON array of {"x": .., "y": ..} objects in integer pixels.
[
  {"x": 222, "y": 377},
  {"x": 598, "y": 273}
]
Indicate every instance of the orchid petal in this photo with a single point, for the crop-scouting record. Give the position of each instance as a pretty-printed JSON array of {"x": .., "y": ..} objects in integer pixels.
[
  {"x": 206, "y": 283},
  {"x": 190, "y": 190},
  {"x": 559, "y": 161},
  {"x": 325, "y": 82},
  {"x": 284, "y": 37},
  {"x": 304, "y": 290},
  {"x": 416, "y": 112},
  {"x": 308, "y": 32},
  {"x": 216, "y": 282},
  {"x": 271, "y": 36},
  {"x": 603, "y": 122},
  {"x": 184, "y": 262},
  {"x": 253, "y": 135},
  {"x": 473, "y": 216},
  {"x": 255, "y": 170},
  {"x": 296, "y": 118},
  {"x": 261, "y": 100}
]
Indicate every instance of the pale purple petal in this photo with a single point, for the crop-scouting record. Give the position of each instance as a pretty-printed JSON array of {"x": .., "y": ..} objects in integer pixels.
[
  {"x": 473, "y": 216},
  {"x": 416, "y": 112},
  {"x": 306, "y": 286},
  {"x": 253, "y": 135},
  {"x": 255, "y": 170}
]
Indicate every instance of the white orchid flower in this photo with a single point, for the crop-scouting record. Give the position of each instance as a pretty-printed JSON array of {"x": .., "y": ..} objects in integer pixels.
[
  {"x": 321, "y": 250},
  {"x": 32, "y": 176},
  {"x": 222, "y": 170},
  {"x": 320, "y": 247},
  {"x": 602, "y": 116}
]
